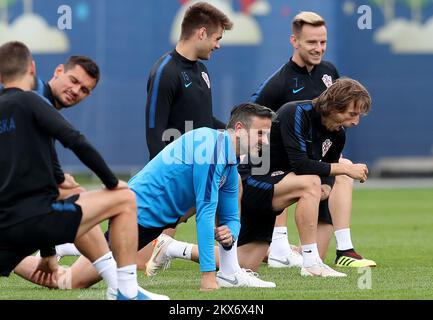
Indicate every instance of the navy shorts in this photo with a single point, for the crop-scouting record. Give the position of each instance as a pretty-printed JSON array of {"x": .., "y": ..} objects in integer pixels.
[
  {"x": 46, "y": 230},
  {"x": 257, "y": 215}
]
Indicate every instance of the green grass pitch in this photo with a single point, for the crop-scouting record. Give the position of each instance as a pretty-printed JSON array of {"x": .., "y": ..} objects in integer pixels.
[{"x": 392, "y": 227}]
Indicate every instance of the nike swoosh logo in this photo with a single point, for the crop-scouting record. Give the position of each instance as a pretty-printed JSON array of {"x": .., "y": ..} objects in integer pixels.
[
  {"x": 188, "y": 84},
  {"x": 309, "y": 251},
  {"x": 184, "y": 252},
  {"x": 233, "y": 282},
  {"x": 298, "y": 90}
]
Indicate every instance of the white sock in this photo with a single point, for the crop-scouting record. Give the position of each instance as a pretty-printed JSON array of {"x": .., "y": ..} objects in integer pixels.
[
  {"x": 127, "y": 280},
  {"x": 107, "y": 269},
  {"x": 310, "y": 253},
  {"x": 67, "y": 249},
  {"x": 229, "y": 263},
  {"x": 179, "y": 249},
  {"x": 344, "y": 240},
  {"x": 280, "y": 245}
]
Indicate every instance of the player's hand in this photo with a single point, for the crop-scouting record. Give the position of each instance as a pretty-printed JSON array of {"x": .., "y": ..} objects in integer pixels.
[
  {"x": 69, "y": 187},
  {"x": 208, "y": 281},
  {"x": 326, "y": 190},
  {"x": 69, "y": 182},
  {"x": 358, "y": 171},
  {"x": 46, "y": 271},
  {"x": 224, "y": 236}
]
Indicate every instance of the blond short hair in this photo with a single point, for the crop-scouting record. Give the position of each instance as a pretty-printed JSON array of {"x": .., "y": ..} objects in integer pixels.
[{"x": 306, "y": 17}]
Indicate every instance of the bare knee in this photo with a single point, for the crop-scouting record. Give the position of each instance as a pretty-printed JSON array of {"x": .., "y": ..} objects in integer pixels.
[
  {"x": 311, "y": 187},
  {"x": 343, "y": 179},
  {"x": 345, "y": 161},
  {"x": 129, "y": 200}
]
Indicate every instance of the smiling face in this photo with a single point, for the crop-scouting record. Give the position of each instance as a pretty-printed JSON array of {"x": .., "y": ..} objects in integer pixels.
[
  {"x": 208, "y": 43},
  {"x": 309, "y": 45},
  {"x": 252, "y": 139},
  {"x": 71, "y": 86}
]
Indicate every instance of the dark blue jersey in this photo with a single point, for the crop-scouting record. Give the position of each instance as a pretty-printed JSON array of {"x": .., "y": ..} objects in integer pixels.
[
  {"x": 300, "y": 143},
  {"x": 291, "y": 83},
  {"x": 28, "y": 126},
  {"x": 178, "y": 90},
  {"x": 294, "y": 83},
  {"x": 43, "y": 89}
]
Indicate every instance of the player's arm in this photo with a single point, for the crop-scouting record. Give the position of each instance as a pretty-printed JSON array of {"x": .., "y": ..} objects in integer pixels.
[
  {"x": 206, "y": 205},
  {"x": 58, "y": 172},
  {"x": 228, "y": 206},
  {"x": 47, "y": 254},
  {"x": 50, "y": 121},
  {"x": 65, "y": 182},
  {"x": 269, "y": 93},
  {"x": 332, "y": 156},
  {"x": 206, "y": 178},
  {"x": 161, "y": 90},
  {"x": 358, "y": 171},
  {"x": 295, "y": 129}
]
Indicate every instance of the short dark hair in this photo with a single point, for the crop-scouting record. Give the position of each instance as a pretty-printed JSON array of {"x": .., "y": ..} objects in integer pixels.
[
  {"x": 15, "y": 58},
  {"x": 244, "y": 113},
  {"x": 86, "y": 63},
  {"x": 340, "y": 94},
  {"x": 306, "y": 17},
  {"x": 202, "y": 14}
]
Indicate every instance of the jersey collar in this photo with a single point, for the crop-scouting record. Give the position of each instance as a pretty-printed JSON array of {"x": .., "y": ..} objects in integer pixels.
[
  {"x": 299, "y": 69},
  {"x": 180, "y": 57}
]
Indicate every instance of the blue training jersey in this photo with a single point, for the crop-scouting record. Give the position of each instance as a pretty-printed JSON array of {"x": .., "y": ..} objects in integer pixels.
[{"x": 197, "y": 170}]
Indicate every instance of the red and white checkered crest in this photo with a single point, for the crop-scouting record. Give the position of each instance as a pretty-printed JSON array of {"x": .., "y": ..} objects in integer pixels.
[
  {"x": 326, "y": 145},
  {"x": 327, "y": 80}
]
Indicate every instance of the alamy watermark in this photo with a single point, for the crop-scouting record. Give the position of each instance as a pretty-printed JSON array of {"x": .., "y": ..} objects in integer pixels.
[
  {"x": 365, "y": 21},
  {"x": 65, "y": 20},
  {"x": 365, "y": 280},
  {"x": 202, "y": 147}
]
